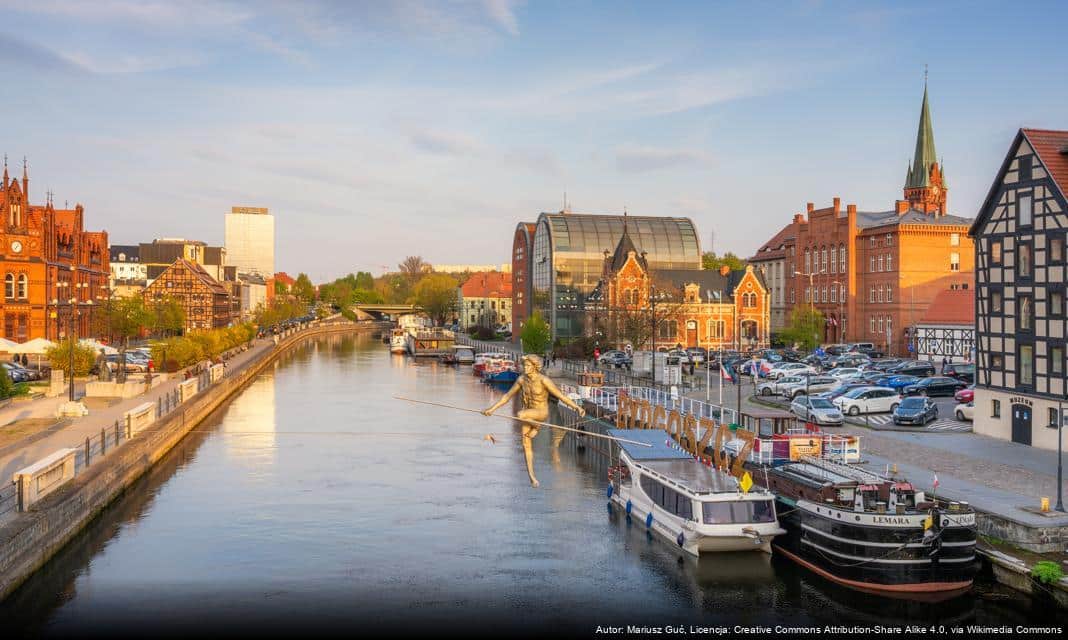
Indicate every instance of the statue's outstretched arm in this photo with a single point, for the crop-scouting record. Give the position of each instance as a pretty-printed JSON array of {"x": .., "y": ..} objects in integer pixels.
[
  {"x": 505, "y": 398},
  {"x": 553, "y": 390}
]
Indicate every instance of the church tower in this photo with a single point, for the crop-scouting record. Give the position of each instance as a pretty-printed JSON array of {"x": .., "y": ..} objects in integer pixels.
[{"x": 925, "y": 183}]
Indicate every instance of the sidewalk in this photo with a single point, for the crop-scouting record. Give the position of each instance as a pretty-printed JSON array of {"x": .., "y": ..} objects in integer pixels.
[{"x": 75, "y": 433}]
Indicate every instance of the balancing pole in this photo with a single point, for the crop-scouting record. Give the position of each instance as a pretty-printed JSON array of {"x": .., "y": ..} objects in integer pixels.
[{"x": 541, "y": 424}]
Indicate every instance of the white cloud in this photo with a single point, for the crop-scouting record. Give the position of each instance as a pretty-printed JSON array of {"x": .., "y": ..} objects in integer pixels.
[
  {"x": 503, "y": 13},
  {"x": 449, "y": 143},
  {"x": 635, "y": 159}
]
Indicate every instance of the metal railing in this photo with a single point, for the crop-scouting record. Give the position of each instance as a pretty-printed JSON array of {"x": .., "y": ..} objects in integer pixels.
[
  {"x": 482, "y": 346},
  {"x": 99, "y": 445}
]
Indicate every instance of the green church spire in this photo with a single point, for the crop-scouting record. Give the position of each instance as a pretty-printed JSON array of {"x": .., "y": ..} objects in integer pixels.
[{"x": 919, "y": 176}]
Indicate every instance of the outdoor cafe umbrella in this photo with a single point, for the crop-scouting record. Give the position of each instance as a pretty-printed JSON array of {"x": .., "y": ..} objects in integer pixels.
[{"x": 37, "y": 346}]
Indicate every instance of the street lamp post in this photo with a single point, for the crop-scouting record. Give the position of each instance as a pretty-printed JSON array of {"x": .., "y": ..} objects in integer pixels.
[
  {"x": 841, "y": 299},
  {"x": 1060, "y": 482}
]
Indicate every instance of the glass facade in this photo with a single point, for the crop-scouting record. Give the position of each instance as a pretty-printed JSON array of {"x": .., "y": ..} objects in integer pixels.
[{"x": 568, "y": 258}]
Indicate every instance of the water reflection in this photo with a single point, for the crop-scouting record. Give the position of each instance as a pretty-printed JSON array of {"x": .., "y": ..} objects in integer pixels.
[{"x": 349, "y": 508}]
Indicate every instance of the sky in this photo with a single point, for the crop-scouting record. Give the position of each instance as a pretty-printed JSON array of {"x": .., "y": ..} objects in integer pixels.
[{"x": 376, "y": 130}]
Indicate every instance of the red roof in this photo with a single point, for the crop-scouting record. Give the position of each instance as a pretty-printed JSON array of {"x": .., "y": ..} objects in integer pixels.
[
  {"x": 488, "y": 284},
  {"x": 775, "y": 248},
  {"x": 284, "y": 278},
  {"x": 1052, "y": 148},
  {"x": 952, "y": 306}
]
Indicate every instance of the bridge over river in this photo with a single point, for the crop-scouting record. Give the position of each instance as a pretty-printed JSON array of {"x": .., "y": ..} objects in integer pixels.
[{"x": 314, "y": 502}]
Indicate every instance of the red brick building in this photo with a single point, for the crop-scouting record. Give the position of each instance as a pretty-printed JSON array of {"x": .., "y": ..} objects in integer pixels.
[
  {"x": 873, "y": 274},
  {"x": 53, "y": 269},
  {"x": 698, "y": 308},
  {"x": 522, "y": 245}
]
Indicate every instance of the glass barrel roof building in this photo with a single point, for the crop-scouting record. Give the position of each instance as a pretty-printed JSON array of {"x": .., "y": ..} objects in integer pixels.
[{"x": 568, "y": 258}]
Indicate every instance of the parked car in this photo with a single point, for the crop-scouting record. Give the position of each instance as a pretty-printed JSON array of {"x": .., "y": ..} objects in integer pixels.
[
  {"x": 967, "y": 394},
  {"x": 608, "y": 355},
  {"x": 871, "y": 353},
  {"x": 814, "y": 384},
  {"x": 788, "y": 369},
  {"x": 914, "y": 368},
  {"x": 132, "y": 365},
  {"x": 868, "y": 400},
  {"x": 965, "y": 372},
  {"x": 836, "y": 349},
  {"x": 897, "y": 382},
  {"x": 840, "y": 390},
  {"x": 965, "y": 411},
  {"x": 684, "y": 358},
  {"x": 884, "y": 364},
  {"x": 615, "y": 359},
  {"x": 936, "y": 386},
  {"x": 817, "y": 410},
  {"x": 915, "y": 410},
  {"x": 843, "y": 372},
  {"x": 698, "y": 355},
  {"x": 774, "y": 387},
  {"x": 857, "y": 346},
  {"x": 16, "y": 373},
  {"x": 852, "y": 360}
]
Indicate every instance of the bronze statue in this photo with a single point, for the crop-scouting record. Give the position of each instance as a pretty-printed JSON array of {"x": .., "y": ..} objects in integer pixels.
[{"x": 536, "y": 389}]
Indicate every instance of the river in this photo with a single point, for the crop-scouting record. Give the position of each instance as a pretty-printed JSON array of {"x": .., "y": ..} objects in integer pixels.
[{"x": 315, "y": 501}]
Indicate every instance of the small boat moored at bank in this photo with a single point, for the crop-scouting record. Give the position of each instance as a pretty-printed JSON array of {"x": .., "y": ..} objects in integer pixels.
[{"x": 697, "y": 507}]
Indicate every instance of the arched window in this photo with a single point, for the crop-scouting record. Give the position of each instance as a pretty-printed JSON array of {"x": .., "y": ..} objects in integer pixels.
[
  {"x": 9, "y": 286},
  {"x": 823, "y": 260},
  {"x": 808, "y": 262},
  {"x": 24, "y": 283},
  {"x": 834, "y": 259},
  {"x": 841, "y": 258}
]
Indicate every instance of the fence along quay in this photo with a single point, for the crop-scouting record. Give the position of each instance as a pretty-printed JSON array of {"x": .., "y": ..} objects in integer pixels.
[{"x": 35, "y": 524}]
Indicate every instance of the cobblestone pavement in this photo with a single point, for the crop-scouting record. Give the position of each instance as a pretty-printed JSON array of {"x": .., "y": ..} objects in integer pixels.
[{"x": 1005, "y": 475}]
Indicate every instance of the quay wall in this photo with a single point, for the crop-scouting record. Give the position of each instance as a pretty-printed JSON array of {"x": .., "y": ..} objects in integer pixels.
[{"x": 31, "y": 538}]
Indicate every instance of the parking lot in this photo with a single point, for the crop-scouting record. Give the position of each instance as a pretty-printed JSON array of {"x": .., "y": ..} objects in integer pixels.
[{"x": 945, "y": 423}]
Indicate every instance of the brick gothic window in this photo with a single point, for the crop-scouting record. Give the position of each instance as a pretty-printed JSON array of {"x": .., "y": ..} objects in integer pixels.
[
  {"x": 834, "y": 258},
  {"x": 842, "y": 258},
  {"x": 889, "y": 293},
  {"x": 880, "y": 263},
  {"x": 873, "y": 242},
  {"x": 808, "y": 262},
  {"x": 834, "y": 293},
  {"x": 871, "y": 294},
  {"x": 889, "y": 262},
  {"x": 872, "y": 266},
  {"x": 889, "y": 239},
  {"x": 9, "y": 286},
  {"x": 823, "y": 260},
  {"x": 879, "y": 293},
  {"x": 23, "y": 286},
  {"x": 889, "y": 321},
  {"x": 872, "y": 324}
]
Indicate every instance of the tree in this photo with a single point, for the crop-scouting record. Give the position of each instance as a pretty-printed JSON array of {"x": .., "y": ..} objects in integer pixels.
[
  {"x": 365, "y": 280},
  {"x": 637, "y": 323},
  {"x": 436, "y": 294},
  {"x": 168, "y": 317},
  {"x": 280, "y": 288},
  {"x": 413, "y": 267},
  {"x": 804, "y": 327},
  {"x": 303, "y": 288},
  {"x": 536, "y": 335},
  {"x": 59, "y": 357},
  {"x": 711, "y": 261}
]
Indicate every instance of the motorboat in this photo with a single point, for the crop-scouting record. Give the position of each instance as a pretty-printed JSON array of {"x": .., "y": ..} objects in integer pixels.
[{"x": 686, "y": 501}]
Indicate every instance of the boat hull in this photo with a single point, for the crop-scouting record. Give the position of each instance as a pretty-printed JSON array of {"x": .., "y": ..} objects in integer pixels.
[{"x": 880, "y": 559}]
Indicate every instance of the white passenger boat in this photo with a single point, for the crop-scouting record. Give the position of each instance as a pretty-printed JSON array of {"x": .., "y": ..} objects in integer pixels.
[
  {"x": 697, "y": 507},
  {"x": 398, "y": 341}
]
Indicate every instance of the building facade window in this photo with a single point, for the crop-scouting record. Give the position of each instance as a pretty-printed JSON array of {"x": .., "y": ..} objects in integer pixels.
[
  {"x": 889, "y": 239},
  {"x": 871, "y": 266},
  {"x": 1027, "y": 364},
  {"x": 792, "y": 301},
  {"x": 995, "y": 252},
  {"x": 880, "y": 325},
  {"x": 889, "y": 321},
  {"x": 1023, "y": 260},
  {"x": 1024, "y": 214},
  {"x": 871, "y": 294},
  {"x": 954, "y": 261},
  {"x": 879, "y": 293},
  {"x": 872, "y": 319},
  {"x": 1027, "y": 314},
  {"x": 808, "y": 262},
  {"x": 834, "y": 259},
  {"x": 1056, "y": 360},
  {"x": 1056, "y": 302},
  {"x": 841, "y": 258},
  {"x": 873, "y": 242},
  {"x": 889, "y": 293},
  {"x": 995, "y": 408},
  {"x": 995, "y": 300},
  {"x": 1056, "y": 248},
  {"x": 834, "y": 294},
  {"x": 9, "y": 286},
  {"x": 24, "y": 285},
  {"x": 823, "y": 260},
  {"x": 997, "y": 362},
  {"x": 954, "y": 239},
  {"x": 889, "y": 262}
]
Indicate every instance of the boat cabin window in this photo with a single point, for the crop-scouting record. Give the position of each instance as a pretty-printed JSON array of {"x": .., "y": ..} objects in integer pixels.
[
  {"x": 845, "y": 495},
  {"x": 739, "y": 512},
  {"x": 668, "y": 499}
]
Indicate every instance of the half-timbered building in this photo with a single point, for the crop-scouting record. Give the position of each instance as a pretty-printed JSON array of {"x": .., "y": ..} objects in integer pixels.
[
  {"x": 206, "y": 302},
  {"x": 1020, "y": 259},
  {"x": 947, "y": 329}
]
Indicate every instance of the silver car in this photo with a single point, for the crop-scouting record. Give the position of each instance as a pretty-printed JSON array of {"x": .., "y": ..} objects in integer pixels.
[
  {"x": 813, "y": 384},
  {"x": 774, "y": 387},
  {"x": 817, "y": 410}
]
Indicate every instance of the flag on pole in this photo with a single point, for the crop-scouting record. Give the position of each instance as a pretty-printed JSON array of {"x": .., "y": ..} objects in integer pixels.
[
  {"x": 725, "y": 374},
  {"x": 936, "y": 481}
]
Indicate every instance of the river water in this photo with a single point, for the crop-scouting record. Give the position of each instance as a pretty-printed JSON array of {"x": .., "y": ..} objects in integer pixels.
[{"x": 315, "y": 501}]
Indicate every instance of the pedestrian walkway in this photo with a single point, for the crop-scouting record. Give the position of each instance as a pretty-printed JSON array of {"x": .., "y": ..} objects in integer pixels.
[
  {"x": 75, "y": 433},
  {"x": 940, "y": 425}
]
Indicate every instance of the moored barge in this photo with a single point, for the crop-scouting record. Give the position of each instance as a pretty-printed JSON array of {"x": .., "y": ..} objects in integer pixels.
[{"x": 870, "y": 532}]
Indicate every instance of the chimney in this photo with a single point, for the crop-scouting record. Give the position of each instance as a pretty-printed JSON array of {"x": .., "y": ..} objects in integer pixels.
[
  {"x": 901, "y": 206},
  {"x": 811, "y": 207},
  {"x": 724, "y": 270},
  {"x": 799, "y": 218},
  {"x": 837, "y": 205},
  {"x": 851, "y": 210}
]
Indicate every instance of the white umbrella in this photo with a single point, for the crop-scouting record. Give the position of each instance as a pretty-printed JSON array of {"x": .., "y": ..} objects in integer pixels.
[
  {"x": 35, "y": 346},
  {"x": 7, "y": 345}
]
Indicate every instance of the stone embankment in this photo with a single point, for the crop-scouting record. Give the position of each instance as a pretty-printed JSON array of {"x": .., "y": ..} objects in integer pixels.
[{"x": 55, "y": 514}]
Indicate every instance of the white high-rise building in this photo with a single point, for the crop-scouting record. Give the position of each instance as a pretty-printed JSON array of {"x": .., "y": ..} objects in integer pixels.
[{"x": 250, "y": 240}]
